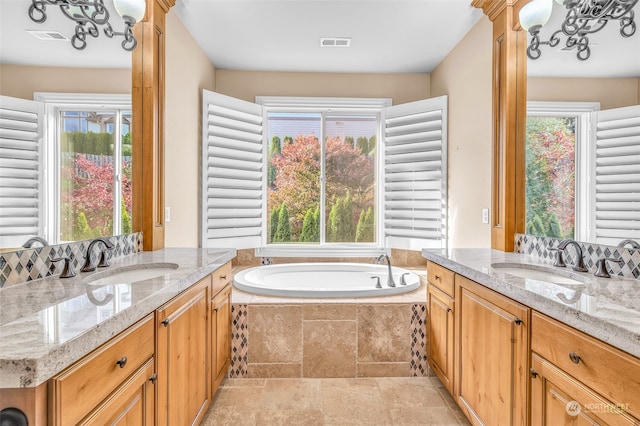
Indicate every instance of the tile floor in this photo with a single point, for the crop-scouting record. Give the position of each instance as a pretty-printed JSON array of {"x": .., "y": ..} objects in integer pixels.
[{"x": 362, "y": 401}]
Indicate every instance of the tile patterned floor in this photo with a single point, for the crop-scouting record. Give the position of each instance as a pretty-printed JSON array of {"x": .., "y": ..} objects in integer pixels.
[{"x": 308, "y": 402}]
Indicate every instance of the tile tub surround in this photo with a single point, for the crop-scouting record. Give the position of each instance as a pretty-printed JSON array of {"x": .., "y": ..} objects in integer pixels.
[
  {"x": 538, "y": 247},
  {"x": 346, "y": 337},
  {"x": 48, "y": 324},
  {"x": 34, "y": 263},
  {"x": 605, "y": 308}
]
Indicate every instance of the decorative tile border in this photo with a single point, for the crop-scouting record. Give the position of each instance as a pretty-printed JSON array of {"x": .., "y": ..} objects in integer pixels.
[
  {"x": 239, "y": 342},
  {"x": 539, "y": 247},
  {"x": 419, "y": 366},
  {"x": 31, "y": 264}
]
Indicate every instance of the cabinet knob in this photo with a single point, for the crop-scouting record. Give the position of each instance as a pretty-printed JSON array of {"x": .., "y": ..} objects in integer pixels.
[
  {"x": 153, "y": 378},
  {"x": 165, "y": 322},
  {"x": 574, "y": 357},
  {"x": 518, "y": 321},
  {"x": 224, "y": 277},
  {"x": 449, "y": 310},
  {"x": 122, "y": 362},
  {"x": 438, "y": 277},
  {"x": 534, "y": 373}
]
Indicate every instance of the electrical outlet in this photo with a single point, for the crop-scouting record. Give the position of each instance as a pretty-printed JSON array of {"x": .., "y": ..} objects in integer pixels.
[
  {"x": 485, "y": 215},
  {"x": 167, "y": 214}
]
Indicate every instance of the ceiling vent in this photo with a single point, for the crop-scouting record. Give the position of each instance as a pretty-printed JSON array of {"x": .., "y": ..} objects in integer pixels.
[
  {"x": 335, "y": 42},
  {"x": 48, "y": 35}
]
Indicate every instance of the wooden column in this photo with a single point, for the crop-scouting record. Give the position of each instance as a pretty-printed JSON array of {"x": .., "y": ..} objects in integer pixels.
[
  {"x": 509, "y": 120},
  {"x": 147, "y": 99}
]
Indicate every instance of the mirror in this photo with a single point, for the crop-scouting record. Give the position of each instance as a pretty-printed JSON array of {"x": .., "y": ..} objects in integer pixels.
[
  {"x": 37, "y": 61},
  {"x": 610, "y": 76}
]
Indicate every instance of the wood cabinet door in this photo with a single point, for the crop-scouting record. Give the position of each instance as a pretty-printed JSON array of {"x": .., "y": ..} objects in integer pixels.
[
  {"x": 440, "y": 323},
  {"x": 492, "y": 351},
  {"x": 560, "y": 399},
  {"x": 221, "y": 337},
  {"x": 132, "y": 404},
  {"x": 183, "y": 356}
]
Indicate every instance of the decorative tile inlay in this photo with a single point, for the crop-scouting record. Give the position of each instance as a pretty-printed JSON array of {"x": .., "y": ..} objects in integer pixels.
[
  {"x": 536, "y": 246},
  {"x": 239, "y": 342},
  {"x": 419, "y": 340},
  {"x": 33, "y": 263}
]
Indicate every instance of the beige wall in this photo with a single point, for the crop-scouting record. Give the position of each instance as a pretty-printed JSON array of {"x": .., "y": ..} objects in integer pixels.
[
  {"x": 21, "y": 81},
  {"x": 465, "y": 76},
  {"x": 188, "y": 71},
  {"x": 610, "y": 92},
  {"x": 249, "y": 84}
]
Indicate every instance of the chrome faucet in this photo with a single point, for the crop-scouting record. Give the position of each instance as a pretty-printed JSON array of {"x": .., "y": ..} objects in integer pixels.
[
  {"x": 579, "y": 263},
  {"x": 634, "y": 244},
  {"x": 390, "y": 281},
  {"x": 88, "y": 261}
]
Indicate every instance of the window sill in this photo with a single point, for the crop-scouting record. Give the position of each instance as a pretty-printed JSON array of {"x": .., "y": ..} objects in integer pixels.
[{"x": 341, "y": 250}]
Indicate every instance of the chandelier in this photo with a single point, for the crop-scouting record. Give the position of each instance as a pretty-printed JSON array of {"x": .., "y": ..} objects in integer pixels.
[
  {"x": 90, "y": 15},
  {"x": 583, "y": 17}
]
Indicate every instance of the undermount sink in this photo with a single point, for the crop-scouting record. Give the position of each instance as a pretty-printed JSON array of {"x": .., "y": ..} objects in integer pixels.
[
  {"x": 535, "y": 272},
  {"x": 130, "y": 274}
]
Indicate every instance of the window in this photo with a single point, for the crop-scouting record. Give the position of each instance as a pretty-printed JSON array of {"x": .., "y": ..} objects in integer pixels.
[
  {"x": 89, "y": 165},
  {"x": 308, "y": 176},
  {"x": 558, "y": 138}
]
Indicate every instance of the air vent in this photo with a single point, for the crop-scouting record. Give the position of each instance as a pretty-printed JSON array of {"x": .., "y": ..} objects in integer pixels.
[
  {"x": 335, "y": 42},
  {"x": 47, "y": 35}
]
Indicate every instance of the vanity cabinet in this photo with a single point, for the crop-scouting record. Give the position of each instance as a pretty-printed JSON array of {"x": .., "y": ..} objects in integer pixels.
[
  {"x": 183, "y": 333},
  {"x": 220, "y": 326},
  {"x": 115, "y": 382},
  {"x": 440, "y": 335},
  {"x": 580, "y": 379},
  {"x": 492, "y": 354}
]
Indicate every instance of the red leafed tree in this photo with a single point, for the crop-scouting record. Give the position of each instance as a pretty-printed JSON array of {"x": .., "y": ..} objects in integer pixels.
[
  {"x": 297, "y": 181},
  {"x": 88, "y": 188}
]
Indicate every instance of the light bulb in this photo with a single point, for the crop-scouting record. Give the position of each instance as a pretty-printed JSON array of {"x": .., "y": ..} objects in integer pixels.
[
  {"x": 132, "y": 8},
  {"x": 535, "y": 13}
]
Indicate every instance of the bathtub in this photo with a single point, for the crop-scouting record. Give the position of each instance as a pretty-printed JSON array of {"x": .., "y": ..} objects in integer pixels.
[{"x": 323, "y": 280}]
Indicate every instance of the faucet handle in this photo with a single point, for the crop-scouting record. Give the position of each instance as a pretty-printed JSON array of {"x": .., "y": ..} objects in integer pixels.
[
  {"x": 67, "y": 270},
  {"x": 559, "y": 261},
  {"x": 402, "y": 280},
  {"x": 601, "y": 266},
  {"x": 378, "y": 284}
]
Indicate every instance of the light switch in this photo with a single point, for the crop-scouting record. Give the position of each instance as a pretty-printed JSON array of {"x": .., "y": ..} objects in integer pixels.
[
  {"x": 485, "y": 215},
  {"x": 167, "y": 214}
]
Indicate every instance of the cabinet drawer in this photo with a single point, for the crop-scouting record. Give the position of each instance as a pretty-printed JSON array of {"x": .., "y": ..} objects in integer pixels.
[
  {"x": 221, "y": 277},
  {"x": 80, "y": 388},
  {"x": 440, "y": 277},
  {"x": 610, "y": 372}
]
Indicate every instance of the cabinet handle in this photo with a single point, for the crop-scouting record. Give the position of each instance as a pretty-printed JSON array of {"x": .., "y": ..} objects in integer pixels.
[
  {"x": 153, "y": 378},
  {"x": 165, "y": 322},
  {"x": 574, "y": 357},
  {"x": 534, "y": 373},
  {"x": 518, "y": 321},
  {"x": 122, "y": 362}
]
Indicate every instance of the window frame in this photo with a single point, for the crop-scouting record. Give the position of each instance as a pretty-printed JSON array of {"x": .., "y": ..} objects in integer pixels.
[
  {"x": 328, "y": 106},
  {"x": 54, "y": 103},
  {"x": 584, "y": 154}
]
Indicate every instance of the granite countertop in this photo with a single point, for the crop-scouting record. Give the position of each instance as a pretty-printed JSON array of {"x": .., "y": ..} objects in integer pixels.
[
  {"x": 605, "y": 308},
  {"x": 50, "y": 323}
]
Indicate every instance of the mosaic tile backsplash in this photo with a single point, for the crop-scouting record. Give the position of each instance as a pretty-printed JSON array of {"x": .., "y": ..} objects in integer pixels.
[
  {"x": 539, "y": 247},
  {"x": 20, "y": 266}
]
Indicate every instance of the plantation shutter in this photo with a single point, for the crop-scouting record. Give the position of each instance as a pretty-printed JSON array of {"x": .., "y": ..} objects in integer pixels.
[
  {"x": 232, "y": 172},
  {"x": 617, "y": 171},
  {"x": 415, "y": 175},
  {"x": 21, "y": 130}
]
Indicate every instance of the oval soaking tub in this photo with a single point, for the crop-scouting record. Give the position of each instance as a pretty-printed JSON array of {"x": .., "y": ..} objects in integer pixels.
[{"x": 323, "y": 280}]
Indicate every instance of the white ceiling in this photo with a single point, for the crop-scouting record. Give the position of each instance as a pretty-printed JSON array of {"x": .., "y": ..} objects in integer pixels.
[{"x": 284, "y": 35}]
